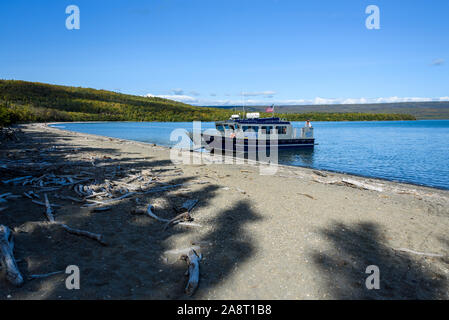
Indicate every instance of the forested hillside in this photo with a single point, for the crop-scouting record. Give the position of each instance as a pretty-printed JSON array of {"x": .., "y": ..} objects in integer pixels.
[{"x": 22, "y": 101}]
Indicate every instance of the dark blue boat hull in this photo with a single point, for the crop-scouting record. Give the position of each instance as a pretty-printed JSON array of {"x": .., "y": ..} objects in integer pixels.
[{"x": 212, "y": 143}]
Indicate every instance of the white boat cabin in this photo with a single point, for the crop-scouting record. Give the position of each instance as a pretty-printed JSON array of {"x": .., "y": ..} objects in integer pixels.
[{"x": 255, "y": 127}]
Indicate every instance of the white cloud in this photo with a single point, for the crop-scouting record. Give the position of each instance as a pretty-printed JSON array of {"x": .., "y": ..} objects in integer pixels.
[
  {"x": 355, "y": 101},
  {"x": 255, "y": 94},
  {"x": 176, "y": 97},
  {"x": 316, "y": 101},
  {"x": 397, "y": 99},
  {"x": 319, "y": 100}
]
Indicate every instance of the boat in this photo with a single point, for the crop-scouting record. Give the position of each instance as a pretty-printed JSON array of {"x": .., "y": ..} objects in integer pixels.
[{"x": 253, "y": 133}]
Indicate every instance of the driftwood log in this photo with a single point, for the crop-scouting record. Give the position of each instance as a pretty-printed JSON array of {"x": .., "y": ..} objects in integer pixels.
[
  {"x": 150, "y": 212},
  {"x": 319, "y": 173},
  {"x": 428, "y": 254},
  {"x": 189, "y": 205},
  {"x": 109, "y": 201},
  {"x": 41, "y": 276},
  {"x": 83, "y": 233},
  {"x": 361, "y": 185},
  {"x": 193, "y": 271},
  {"x": 9, "y": 264},
  {"x": 183, "y": 217},
  {"x": 48, "y": 211},
  {"x": 351, "y": 183},
  {"x": 189, "y": 224},
  {"x": 100, "y": 209},
  {"x": 43, "y": 204}
]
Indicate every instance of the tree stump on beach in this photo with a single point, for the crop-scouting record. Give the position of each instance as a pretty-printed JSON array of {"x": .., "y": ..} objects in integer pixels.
[{"x": 8, "y": 262}]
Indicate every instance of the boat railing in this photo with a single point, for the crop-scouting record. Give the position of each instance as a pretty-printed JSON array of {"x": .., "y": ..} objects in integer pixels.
[
  {"x": 303, "y": 133},
  {"x": 306, "y": 133}
]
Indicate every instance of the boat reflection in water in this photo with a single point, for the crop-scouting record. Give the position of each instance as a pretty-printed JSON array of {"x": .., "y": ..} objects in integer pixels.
[{"x": 301, "y": 157}]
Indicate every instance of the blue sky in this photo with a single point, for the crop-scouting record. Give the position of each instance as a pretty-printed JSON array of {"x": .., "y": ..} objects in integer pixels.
[{"x": 209, "y": 52}]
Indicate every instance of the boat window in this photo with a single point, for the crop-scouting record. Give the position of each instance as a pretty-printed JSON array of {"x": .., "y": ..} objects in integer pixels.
[
  {"x": 220, "y": 128},
  {"x": 267, "y": 129},
  {"x": 226, "y": 127},
  {"x": 252, "y": 128},
  {"x": 231, "y": 127},
  {"x": 281, "y": 130}
]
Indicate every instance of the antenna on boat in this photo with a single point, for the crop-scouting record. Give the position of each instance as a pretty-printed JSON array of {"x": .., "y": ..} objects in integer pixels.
[{"x": 243, "y": 104}]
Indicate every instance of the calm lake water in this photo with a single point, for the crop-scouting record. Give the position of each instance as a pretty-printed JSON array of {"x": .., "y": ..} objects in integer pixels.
[{"x": 406, "y": 151}]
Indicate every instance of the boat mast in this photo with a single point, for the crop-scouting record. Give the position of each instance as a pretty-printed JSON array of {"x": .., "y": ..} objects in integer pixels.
[{"x": 243, "y": 104}]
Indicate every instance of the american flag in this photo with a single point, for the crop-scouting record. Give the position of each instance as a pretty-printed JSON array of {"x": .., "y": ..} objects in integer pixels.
[{"x": 269, "y": 109}]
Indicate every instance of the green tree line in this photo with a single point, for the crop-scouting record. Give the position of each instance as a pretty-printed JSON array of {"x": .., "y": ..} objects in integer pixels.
[{"x": 22, "y": 102}]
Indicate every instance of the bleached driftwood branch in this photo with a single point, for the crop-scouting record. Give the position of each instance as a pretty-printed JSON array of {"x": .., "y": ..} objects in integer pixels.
[
  {"x": 44, "y": 205},
  {"x": 27, "y": 195},
  {"x": 100, "y": 209},
  {"x": 45, "y": 275},
  {"x": 16, "y": 180},
  {"x": 87, "y": 234},
  {"x": 351, "y": 183},
  {"x": 361, "y": 185},
  {"x": 307, "y": 195},
  {"x": 151, "y": 214},
  {"x": 48, "y": 211},
  {"x": 189, "y": 224},
  {"x": 7, "y": 196},
  {"x": 31, "y": 193},
  {"x": 109, "y": 201},
  {"x": 419, "y": 253},
  {"x": 320, "y": 173},
  {"x": 8, "y": 262},
  {"x": 193, "y": 261},
  {"x": 183, "y": 217},
  {"x": 183, "y": 251},
  {"x": 189, "y": 204}
]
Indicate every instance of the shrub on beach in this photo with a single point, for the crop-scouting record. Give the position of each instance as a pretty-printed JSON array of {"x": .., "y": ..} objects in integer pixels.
[{"x": 5, "y": 115}]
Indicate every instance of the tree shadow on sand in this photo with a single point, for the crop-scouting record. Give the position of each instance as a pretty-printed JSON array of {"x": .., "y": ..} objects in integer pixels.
[
  {"x": 133, "y": 265},
  {"x": 355, "y": 247}
]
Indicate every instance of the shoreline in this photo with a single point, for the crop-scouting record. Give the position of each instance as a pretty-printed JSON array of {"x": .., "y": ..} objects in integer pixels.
[
  {"x": 257, "y": 162},
  {"x": 298, "y": 234}
]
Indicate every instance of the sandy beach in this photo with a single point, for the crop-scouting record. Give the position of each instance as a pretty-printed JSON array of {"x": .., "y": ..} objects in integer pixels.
[{"x": 296, "y": 234}]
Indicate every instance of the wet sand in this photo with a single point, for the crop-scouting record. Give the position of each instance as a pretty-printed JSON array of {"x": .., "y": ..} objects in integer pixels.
[{"x": 296, "y": 234}]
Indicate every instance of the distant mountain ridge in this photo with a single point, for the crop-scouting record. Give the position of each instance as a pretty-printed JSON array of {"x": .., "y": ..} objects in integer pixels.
[{"x": 421, "y": 110}]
